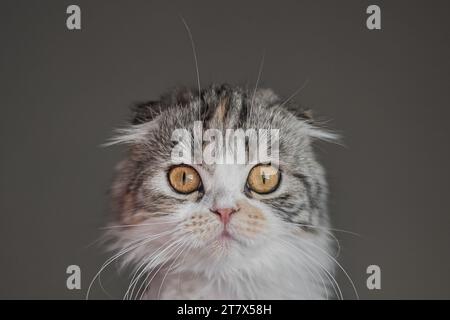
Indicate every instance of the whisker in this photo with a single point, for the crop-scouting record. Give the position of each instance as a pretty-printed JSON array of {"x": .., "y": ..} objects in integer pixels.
[
  {"x": 135, "y": 244},
  {"x": 149, "y": 263},
  {"x": 146, "y": 264},
  {"x": 261, "y": 66},
  {"x": 103, "y": 288},
  {"x": 194, "y": 51},
  {"x": 139, "y": 224},
  {"x": 339, "y": 265},
  {"x": 168, "y": 270},
  {"x": 295, "y": 93},
  {"x": 182, "y": 263},
  {"x": 177, "y": 245},
  {"x": 330, "y": 234},
  {"x": 327, "y": 273},
  {"x": 329, "y": 229},
  {"x": 334, "y": 283}
]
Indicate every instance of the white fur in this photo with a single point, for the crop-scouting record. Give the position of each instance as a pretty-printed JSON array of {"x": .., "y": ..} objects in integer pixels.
[
  {"x": 136, "y": 134},
  {"x": 280, "y": 262}
]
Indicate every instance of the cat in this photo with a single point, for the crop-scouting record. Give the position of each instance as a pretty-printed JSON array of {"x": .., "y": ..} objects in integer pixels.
[{"x": 222, "y": 231}]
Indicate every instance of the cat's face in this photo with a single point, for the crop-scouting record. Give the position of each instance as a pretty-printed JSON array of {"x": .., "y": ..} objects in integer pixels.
[{"x": 206, "y": 216}]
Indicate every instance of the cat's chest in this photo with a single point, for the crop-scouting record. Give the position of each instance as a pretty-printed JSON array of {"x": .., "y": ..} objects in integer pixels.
[{"x": 194, "y": 287}]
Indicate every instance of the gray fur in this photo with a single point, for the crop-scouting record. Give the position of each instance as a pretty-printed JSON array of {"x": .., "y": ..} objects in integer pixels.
[{"x": 306, "y": 201}]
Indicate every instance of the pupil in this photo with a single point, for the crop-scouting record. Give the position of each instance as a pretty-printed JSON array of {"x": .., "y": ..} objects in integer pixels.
[{"x": 184, "y": 177}]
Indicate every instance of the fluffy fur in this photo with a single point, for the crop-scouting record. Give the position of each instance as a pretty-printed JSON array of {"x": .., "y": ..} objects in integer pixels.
[{"x": 281, "y": 246}]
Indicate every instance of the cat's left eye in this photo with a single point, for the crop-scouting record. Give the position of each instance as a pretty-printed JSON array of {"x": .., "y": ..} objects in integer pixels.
[
  {"x": 263, "y": 179},
  {"x": 184, "y": 179}
]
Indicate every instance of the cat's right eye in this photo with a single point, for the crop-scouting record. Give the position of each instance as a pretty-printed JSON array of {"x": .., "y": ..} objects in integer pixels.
[{"x": 184, "y": 179}]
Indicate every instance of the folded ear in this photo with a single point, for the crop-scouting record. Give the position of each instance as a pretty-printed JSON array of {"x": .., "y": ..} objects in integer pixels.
[
  {"x": 141, "y": 123},
  {"x": 144, "y": 117},
  {"x": 301, "y": 113},
  {"x": 148, "y": 111},
  {"x": 145, "y": 112},
  {"x": 314, "y": 129},
  {"x": 319, "y": 133}
]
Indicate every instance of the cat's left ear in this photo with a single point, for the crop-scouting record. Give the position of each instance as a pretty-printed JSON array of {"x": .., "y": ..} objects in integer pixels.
[
  {"x": 320, "y": 133},
  {"x": 313, "y": 128}
]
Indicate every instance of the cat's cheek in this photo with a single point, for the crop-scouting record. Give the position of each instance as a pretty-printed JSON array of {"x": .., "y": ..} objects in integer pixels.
[
  {"x": 248, "y": 226},
  {"x": 250, "y": 222},
  {"x": 201, "y": 228}
]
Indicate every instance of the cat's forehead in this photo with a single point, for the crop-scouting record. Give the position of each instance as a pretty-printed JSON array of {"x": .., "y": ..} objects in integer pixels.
[
  {"x": 225, "y": 173},
  {"x": 232, "y": 110},
  {"x": 219, "y": 108},
  {"x": 223, "y": 107}
]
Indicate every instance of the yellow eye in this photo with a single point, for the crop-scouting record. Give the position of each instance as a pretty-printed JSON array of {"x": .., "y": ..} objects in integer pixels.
[
  {"x": 184, "y": 179},
  {"x": 263, "y": 178}
]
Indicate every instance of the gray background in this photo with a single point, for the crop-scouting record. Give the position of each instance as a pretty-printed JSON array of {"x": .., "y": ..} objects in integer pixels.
[{"x": 62, "y": 93}]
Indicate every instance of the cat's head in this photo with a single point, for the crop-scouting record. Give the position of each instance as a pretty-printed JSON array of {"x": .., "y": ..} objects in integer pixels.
[{"x": 209, "y": 217}]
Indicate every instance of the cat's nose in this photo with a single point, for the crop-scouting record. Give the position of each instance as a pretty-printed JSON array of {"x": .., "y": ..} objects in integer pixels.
[{"x": 224, "y": 213}]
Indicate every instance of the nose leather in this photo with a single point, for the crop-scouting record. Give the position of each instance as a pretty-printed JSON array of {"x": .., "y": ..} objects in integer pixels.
[{"x": 224, "y": 214}]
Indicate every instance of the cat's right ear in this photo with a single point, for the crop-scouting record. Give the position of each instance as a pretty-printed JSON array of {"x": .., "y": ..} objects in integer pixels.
[
  {"x": 143, "y": 120},
  {"x": 145, "y": 112}
]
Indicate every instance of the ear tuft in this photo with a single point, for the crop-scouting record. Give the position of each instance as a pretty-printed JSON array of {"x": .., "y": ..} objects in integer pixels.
[
  {"x": 314, "y": 128},
  {"x": 301, "y": 113},
  {"x": 132, "y": 135},
  {"x": 318, "y": 133}
]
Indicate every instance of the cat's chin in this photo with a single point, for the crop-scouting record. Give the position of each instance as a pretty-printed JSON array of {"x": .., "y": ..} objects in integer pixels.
[
  {"x": 230, "y": 242},
  {"x": 229, "y": 248},
  {"x": 226, "y": 238}
]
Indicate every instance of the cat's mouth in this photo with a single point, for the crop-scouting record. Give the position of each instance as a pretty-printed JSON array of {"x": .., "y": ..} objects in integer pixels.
[{"x": 225, "y": 235}]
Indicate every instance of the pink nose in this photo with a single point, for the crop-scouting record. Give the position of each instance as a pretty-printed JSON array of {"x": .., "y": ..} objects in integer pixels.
[{"x": 224, "y": 214}]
